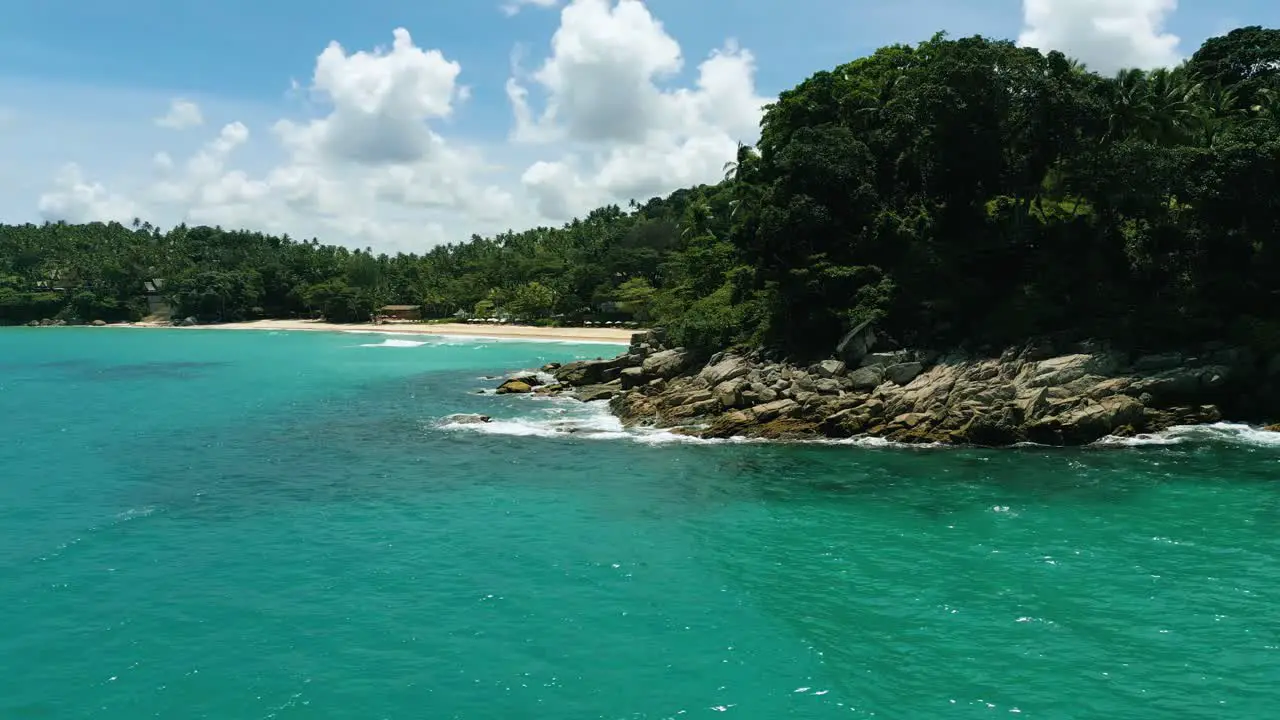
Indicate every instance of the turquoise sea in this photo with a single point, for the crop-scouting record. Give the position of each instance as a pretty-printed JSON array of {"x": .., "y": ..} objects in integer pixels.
[{"x": 214, "y": 524}]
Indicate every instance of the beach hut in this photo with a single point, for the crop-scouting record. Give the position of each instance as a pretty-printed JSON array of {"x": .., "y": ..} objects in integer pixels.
[
  {"x": 153, "y": 289},
  {"x": 401, "y": 312}
]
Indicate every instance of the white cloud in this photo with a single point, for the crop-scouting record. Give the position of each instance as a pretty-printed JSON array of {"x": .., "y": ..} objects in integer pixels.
[
  {"x": 1106, "y": 34},
  {"x": 514, "y": 6},
  {"x": 381, "y": 103},
  {"x": 602, "y": 90},
  {"x": 377, "y": 166},
  {"x": 182, "y": 114},
  {"x": 75, "y": 199}
]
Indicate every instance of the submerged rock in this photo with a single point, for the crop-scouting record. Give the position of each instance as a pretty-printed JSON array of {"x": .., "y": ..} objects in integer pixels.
[
  {"x": 467, "y": 419},
  {"x": 511, "y": 387}
]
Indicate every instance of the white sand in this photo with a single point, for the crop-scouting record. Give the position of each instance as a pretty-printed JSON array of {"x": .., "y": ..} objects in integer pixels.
[{"x": 580, "y": 334}]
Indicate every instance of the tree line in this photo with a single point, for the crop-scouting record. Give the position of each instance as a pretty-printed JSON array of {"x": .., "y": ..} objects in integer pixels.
[{"x": 957, "y": 192}]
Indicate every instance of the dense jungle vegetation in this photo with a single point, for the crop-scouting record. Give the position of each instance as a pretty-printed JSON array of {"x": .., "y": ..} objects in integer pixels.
[{"x": 957, "y": 192}]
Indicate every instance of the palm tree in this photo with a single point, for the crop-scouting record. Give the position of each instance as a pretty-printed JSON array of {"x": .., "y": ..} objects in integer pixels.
[
  {"x": 1129, "y": 107},
  {"x": 1171, "y": 102},
  {"x": 1268, "y": 104},
  {"x": 1216, "y": 109},
  {"x": 731, "y": 168}
]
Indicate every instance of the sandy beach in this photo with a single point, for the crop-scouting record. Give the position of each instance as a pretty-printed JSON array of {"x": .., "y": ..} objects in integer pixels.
[{"x": 567, "y": 334}]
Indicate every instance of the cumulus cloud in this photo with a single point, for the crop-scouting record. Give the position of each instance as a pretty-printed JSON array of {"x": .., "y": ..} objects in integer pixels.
[
  {"x": 1106, "y": 34},
  {"x": 381, "y": 103},
  {"x": 601, "y": 88},
  {"x": 369, "y": 171},
  {"x": 182, "y": 114},
  {"x": 76, "y": 199},
  {"x": 512, "y": 8},
  {"x": 597, "y": 121}
]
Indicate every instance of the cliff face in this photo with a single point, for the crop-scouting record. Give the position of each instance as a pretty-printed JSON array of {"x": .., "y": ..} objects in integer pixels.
[{"x": 1028, "y": 394}]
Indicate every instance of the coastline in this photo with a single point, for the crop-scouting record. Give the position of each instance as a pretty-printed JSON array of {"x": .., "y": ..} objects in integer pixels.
[
  {"x": 1070, "y": 395},
  {"x": 610, "y": 336}
]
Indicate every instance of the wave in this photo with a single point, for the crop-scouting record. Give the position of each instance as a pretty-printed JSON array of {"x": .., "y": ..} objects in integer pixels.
[
  {"x": 396, "y": 343},
  {"x": 562, "y": 417},
  {"x": 474, "y": 339},
  {"x": 1222, "y": 432}
]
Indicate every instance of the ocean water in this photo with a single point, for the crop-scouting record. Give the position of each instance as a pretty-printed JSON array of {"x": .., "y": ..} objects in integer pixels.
[{"x": 210, "y": 524}]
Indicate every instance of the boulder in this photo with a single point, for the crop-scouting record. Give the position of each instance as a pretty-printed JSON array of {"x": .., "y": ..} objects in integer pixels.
[
  {"x": 653, "y": 338},
  {"x": 467, "y": 419},
  {"x": 98, "y": 323},
  {"x": 34, "y": 323},
  {"x": 827, "y": 386},
  {"x": 903, "y": 373},
  {"x": 866, "y": 378},
  {"x": 828, "y": 369},
  {"x": 733, "y": 424},
  {"x": 592, "y": 393},
  {"x": 856, "y": 343},
  {"x": 729, "y": 368},
  {"x": 1273, "y": 428},
  {"x": 1182, "y": 384},
  {"x": 592, "y": 372},
  {"x": 848, "y": 422},
  {"x": 730, "y": 393},
  {"x": 1088, "y": 422},
  {"x": 550, "y": 367},
  {"x": 1033, "y": 404},
  {"x": 692, "y": 410},
  {"x": 1065, "y": 369},
  {"x": 990, "y": 429},
  {"x": 188, "y": 322},
  {"x": 666, "y": 364},
  {"x": 632, "y": 377},
  {"x": 885, "y": 359},
  {"x": 774, "y": 410},
  {"x": 512, "y": 387}
]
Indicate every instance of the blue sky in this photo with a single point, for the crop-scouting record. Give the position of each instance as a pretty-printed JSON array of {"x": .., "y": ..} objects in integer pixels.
[{"x": 81, "y": 82}]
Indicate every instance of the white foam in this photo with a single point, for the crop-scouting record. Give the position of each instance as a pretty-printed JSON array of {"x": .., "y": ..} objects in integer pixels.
[
  {"x": 566, "y": 417},
  {"x": 563, "y": 417},
  {"x": 544, "y": 378},
  {"x": 395, "y": 343},
  {"x": 473, "y": 339},
  {"x": 1230, "y": 433}
]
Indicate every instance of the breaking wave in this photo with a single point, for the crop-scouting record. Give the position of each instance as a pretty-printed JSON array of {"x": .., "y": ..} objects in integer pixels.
[
  {"x": 396, "y": 343},
  {"x": 563, "y": 417},
  {"x": 1223, "y": 432}
]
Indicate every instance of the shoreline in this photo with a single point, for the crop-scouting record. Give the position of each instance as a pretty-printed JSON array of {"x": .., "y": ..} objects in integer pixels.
[
  {"x": 604, "y": 336},
  {"x": 1074, "y": 395}
]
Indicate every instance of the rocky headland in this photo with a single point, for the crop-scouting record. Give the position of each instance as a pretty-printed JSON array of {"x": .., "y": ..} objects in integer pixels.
[{"x": 1070, "y": 395}]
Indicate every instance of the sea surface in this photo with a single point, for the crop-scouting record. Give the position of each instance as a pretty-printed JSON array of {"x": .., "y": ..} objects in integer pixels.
[{"x": 217, "y": 524}]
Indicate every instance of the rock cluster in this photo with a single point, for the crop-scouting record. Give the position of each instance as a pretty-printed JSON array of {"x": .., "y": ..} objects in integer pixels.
[{"x": 1055, "y": 396}]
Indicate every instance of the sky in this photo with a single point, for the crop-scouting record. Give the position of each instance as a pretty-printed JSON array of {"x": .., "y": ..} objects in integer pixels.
[{"x": 404, "y": 124}]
